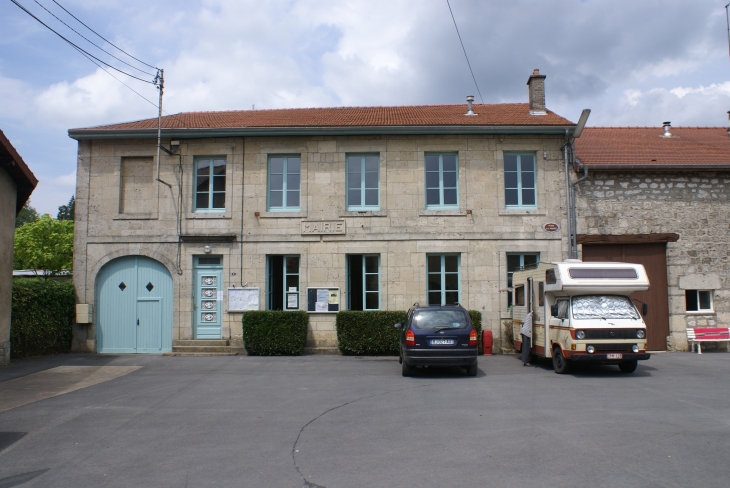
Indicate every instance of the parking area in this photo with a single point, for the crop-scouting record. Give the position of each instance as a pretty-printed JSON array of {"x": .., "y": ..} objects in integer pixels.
[{"x": 334, "y": 421}]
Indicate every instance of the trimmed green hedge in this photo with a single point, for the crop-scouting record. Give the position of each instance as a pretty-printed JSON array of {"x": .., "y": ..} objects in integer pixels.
[
  {"x": 274, "y": 332},
  {"x": 42, "y": 315},
  {"x": 372, "y": 332},
  {"x": 368, "y": 332}
]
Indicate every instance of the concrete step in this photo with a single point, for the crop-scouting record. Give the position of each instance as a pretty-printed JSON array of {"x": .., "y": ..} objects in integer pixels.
[
  {"x": 201, "y": 342},
  {"x": 207, "y": 349},
  {"x": 175, "y": 353},
  {"x": 321, "y": 350}
]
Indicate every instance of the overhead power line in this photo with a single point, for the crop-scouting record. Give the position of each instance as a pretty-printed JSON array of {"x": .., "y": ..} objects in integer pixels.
[
  {"x": 465, "y": 55},
  {"x": 100, "y": 36},
  {"x": 91, "y": 42},
  {"x": 77, "y": 47}
]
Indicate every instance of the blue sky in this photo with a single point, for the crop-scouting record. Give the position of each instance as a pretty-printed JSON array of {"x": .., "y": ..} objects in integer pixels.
[{"x": 634, "y": 63}]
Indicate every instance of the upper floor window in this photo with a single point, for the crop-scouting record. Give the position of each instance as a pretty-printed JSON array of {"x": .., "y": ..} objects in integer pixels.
[
  {"x": 284, "y": 183},
  {"x": 363, "y": 182},
  {"x": 442, "y": 181},
  {"x": 519, "y": 181},
  {"x": 210, "y": 184}
]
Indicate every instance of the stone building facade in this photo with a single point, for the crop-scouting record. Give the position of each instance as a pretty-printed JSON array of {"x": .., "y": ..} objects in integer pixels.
[
  {"x": 644, "y": 187},
  {"x": 388, "y": 205},
  {"x": 16, "y": 184}
]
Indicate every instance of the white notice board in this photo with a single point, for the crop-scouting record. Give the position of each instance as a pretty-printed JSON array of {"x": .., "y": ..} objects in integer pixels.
[{"x": 243, "y": 299}]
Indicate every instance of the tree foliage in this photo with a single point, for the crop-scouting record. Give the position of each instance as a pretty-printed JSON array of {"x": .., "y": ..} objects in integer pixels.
[
  {"x": 46, "y": 244},
  {"x": 66, "y": 212},
  {"x": 27, "y": 214}
]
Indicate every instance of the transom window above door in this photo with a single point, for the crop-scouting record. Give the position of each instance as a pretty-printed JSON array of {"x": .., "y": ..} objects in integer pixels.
[
  {"x": 210, "y": 184},
  {"x": 363, "y": 182},
  {"x": 284, "y": 183},
  {"x": 442, "y": 181}
]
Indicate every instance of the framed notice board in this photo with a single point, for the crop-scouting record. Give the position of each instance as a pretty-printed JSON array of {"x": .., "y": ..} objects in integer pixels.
[
  {"x": 243, "y": 299},
  {"x": 323, "y": 300}
]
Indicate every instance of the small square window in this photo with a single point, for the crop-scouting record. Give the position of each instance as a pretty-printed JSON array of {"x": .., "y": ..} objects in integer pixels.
[{"x": 698, "y": 300}]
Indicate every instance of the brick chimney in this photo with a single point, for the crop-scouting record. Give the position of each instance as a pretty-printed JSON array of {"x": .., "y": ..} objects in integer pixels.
[{"x": 536, "y": 87}]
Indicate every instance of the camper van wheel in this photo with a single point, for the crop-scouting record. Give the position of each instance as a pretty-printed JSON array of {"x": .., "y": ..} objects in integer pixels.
[
  {"x": 628, "y": 366},
  {"x": 560, "y": 364}
]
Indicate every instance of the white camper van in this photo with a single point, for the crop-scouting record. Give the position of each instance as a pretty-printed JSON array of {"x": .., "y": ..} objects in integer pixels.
[{"x": 582, "y": 312}]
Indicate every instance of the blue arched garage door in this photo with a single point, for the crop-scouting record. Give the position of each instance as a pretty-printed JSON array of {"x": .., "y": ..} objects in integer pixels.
[{"x": 134, "y": 306}]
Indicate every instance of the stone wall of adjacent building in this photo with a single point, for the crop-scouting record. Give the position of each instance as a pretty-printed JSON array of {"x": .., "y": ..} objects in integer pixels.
[
  {"x": 7, "y": 233},
  {"x": 402, "y": 232},
  {"x": 695, "y": 205}
]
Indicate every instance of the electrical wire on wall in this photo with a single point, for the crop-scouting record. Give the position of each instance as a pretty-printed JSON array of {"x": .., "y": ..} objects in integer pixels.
[{"x": 465, "y": 55}]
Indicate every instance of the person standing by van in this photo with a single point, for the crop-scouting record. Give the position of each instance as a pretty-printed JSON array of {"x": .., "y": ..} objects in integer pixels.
[{"x": 526, "y": 332}]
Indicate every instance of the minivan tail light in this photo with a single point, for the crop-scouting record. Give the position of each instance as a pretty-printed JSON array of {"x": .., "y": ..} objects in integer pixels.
[
  {"x": 411, "y": 338},
  {"x": 473, "y": 338}
]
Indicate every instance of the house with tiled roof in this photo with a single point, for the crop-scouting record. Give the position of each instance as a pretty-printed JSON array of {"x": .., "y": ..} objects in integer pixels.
[
  {"x": 660, "y": 196},
  {"x": 17, "y": 182},
  {"x": 374, "y": 207}
]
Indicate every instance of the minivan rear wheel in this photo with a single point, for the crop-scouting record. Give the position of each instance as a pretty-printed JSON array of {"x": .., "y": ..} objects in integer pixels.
[
  {"x": 471, "y": 370},
  {"x": 406, "y": 370}
]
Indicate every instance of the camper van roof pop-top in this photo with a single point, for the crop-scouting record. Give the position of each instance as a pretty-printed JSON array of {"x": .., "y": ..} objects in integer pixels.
[{"x": 577, "y": 278}]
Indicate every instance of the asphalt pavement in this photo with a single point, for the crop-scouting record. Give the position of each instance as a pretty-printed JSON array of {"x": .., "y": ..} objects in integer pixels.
[{"x": 338, "y": 421}]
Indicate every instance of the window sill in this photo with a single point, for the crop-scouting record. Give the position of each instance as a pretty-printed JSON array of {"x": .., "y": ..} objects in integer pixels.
[
  {"x": 522, "y": 211},
  {"x": 136, "y": 216},
  {"x": 363, "y": 213},
  {"x": 208, "y": 215},
  {"x": 700, "y": 312},
  {"x": 283, "y": 215},
  {"x": 442, "y": 213}
]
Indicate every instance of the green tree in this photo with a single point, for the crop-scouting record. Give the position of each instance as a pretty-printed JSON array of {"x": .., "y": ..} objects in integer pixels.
[
  {"x": 46, "y": 244},
  {"x": 66, "y": 212},
  {"x": 27, "y": 214}
]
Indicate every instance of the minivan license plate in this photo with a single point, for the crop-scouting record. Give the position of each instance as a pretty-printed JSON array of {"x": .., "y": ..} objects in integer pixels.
[
  {"x": 442, "y": 342},
  {"x": 614, "y": 356}
]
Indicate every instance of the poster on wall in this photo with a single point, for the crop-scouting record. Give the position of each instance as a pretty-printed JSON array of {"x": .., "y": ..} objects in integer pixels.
[
  {"x": 243, "y": 299},
  {"x": 323, "y": 300}
]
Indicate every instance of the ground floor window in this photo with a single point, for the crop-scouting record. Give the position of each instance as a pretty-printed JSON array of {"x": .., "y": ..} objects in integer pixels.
[
  {"x": 515, "y": 262},
  {"x": 363, "y": 281},
  {"x": 283, "y": 283},
  {"x": 443, "y": 278},
  {"x": 698, "y": 300}
]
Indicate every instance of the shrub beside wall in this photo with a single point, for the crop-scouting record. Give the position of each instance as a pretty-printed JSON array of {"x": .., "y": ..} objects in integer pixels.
[
  {"x": 42, "y": 315},
  {"x": 274, "y": 332},
  {"x": 368, "y": 332}
]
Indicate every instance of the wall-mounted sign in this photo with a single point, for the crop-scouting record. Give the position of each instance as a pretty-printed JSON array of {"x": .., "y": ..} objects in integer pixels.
[
  {"x": 550, "y": 227},
  {"x": 325, "y": 300},
  {"x": 323, "y": 227},
  {"x": 242, "y": 299}
]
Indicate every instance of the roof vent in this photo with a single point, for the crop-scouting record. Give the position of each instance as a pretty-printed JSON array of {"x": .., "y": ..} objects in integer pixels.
[
  {"x": 469, "y": 103},
  {"x": 667, "y": 128}
]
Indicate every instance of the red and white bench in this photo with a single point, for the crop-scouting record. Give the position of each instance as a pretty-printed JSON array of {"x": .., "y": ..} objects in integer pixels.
[{"x": 707, "y": 334}]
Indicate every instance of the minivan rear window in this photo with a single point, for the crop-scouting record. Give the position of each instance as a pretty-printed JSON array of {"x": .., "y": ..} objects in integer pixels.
[{"x": 437, "y": 319}]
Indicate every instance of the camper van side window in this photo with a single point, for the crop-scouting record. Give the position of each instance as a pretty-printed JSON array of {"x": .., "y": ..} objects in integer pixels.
[
  {"x": 541, "y": 293},
  {"x": 550, "y": 278},
  {"x": 520, "y": 295},
  {"x": 562, "y": 309}
]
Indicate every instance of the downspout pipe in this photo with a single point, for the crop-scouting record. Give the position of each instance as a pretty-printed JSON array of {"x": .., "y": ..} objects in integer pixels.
[
  {"x": 574, "y": 220},
  {"x": 567, "y": 194}
]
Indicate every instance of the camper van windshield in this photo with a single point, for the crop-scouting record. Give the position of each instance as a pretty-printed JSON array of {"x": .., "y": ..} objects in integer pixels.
[{"x": 604, "y": 307}]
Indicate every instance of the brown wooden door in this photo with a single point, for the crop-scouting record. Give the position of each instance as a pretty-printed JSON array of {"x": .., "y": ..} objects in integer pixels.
[{"x": 654, "y": 259}]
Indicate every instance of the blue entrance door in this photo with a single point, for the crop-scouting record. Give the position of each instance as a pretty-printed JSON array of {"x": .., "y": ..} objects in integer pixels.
[
  {"x": 208, "y": 276},
  {"x": 134, "y": 306}
]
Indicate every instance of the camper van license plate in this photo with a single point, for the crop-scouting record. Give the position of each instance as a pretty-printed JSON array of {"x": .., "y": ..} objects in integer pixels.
[
  {"x": 614, "y": 356},
  {"x": 442, "y": 342}
]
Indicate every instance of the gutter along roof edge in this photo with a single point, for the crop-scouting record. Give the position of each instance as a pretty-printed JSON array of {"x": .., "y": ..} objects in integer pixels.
[
  {"x": 635, "y": 167},
  {"x": 197, "y": 133}
]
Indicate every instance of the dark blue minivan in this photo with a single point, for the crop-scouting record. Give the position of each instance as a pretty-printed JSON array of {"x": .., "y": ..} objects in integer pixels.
[{"x": 438, "y": 335}]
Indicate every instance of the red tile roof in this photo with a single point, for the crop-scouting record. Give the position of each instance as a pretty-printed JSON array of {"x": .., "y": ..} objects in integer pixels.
[
  {"x": 619, "y": 147},
  {"x": 506, "y": 114}
]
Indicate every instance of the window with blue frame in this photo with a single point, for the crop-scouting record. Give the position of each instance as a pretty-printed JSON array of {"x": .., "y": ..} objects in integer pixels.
[
  {"x": 442, "y": 181},
  {"x": 519, "y": 181},
  {"x": 210, "y": 184},
  {"x": 363, "y": 182},
  {"x": 284, "y": 183},
  {"x": 363, "y": 281},
  {"x": 443, "y": 278}
]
